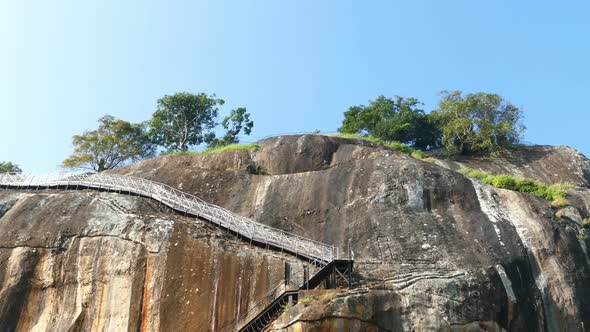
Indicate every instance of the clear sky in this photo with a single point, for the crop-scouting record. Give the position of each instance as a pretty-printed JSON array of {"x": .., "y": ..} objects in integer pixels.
[{"x": 295, "y": 65}]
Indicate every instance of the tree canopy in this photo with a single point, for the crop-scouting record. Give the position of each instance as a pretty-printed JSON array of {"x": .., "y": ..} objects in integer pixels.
[
  {"x": 8, "y": 167},
  {"x": 478, "y": 121},
  {"x": 393, "y": 119},
  {"x": 185, "y": 120},
  {"x": 114, "y": 143},
  {"x": 234, "y": 123}
]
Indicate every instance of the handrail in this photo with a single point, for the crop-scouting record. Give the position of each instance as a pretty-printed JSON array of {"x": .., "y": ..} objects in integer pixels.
[
  {"x": 255, "y": 309},
  {"x": 319, "y": 253},
  {"x": 265, "y": 301}
]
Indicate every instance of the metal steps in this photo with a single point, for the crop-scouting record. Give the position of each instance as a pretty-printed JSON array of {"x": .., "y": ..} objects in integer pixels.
[{"x": 335, "y": 274}]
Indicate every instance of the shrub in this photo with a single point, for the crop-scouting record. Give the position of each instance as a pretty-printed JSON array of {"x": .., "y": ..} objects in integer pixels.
[
  {"x": 8, "y": 167},
  {"x": 418, "y": 154},
  {"x": 482, "y": 176},
  {"x": 582, "y": 234},
  {"x": 505, "y": 182},
  {"x": 401, "y": 147},
  {"x": 555, "y": 193},
  {"x": 560, "y": 202},
  {"x": 528, "y": 185},
  {"x": 586, "y": 222}
]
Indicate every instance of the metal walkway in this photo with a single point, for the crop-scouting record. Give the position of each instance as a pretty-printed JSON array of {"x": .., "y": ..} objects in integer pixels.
[{"x": 259, "y": 234}]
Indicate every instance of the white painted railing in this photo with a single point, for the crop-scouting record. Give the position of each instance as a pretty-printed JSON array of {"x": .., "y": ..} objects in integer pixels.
[{"x": 319, "y": 253}]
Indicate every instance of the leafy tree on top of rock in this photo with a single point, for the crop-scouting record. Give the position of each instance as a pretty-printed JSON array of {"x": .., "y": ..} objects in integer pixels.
[
  {"x": 8, "y": 167},
  {"x": 398, "y": 119},
  {"x": 234, "y": 123},
  {"x": 111, "y": 145},
  {"x": 478, "y": 121},
  {"x": 185, "y": 120}
]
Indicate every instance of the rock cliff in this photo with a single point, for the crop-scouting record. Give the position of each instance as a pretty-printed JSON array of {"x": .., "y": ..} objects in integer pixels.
[
  {"x": 88, "y": 261},
  {"x": 433, "y": 250}
]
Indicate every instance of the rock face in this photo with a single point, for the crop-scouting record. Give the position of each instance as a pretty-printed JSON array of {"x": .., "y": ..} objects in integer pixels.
[
  {"x": 81, "y": 261},
  {"x": 433, "y": 250},
  {"x": 549, "y": 164}
]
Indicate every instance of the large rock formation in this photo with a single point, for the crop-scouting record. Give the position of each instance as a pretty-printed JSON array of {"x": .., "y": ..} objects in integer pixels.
[
  {"x": 82, "y": 261},
  {"x": 433, "y": 250}
]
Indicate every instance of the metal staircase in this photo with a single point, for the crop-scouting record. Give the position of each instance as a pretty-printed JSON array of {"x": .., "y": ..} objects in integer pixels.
[
  {"x": 333, "y": 271},
  {"x": 335, "y": 274},
  {"x": 271, "y": 312}
]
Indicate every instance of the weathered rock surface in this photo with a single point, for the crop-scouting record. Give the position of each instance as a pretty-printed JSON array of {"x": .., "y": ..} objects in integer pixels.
[
  {"x": 81, "y": 261},
  {"x": 549, "y": 164},
  {"x": 443, "y": 252},
  {"x": 433, "y": 249}
]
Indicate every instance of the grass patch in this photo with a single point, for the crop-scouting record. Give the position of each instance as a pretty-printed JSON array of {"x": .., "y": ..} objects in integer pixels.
[
  {"x": 555, "y": 193},
  {"x": 286, "y": 307},
  {"x": 305, "y": 300},
  {"x": 231, "y": 147},
  {"x": 401, "y": 147},
  {"x": 560, "y": 202},
  {"x": 418, "y": 154}
]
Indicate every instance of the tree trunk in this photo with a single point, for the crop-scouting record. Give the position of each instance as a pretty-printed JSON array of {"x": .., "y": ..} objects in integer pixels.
[
  {"x": 101, "y": 165},
  {"x": 464, "y": 148},
  {"x": 182, "y": 140}
]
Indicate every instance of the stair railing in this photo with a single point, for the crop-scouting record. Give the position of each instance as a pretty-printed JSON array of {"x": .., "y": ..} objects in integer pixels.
[{"x": 317, "y": 252}]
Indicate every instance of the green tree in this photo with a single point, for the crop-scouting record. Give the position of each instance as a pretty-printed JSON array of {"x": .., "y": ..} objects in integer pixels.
[
  {"x": 8, "y": 167},
  {"x": 478, "y": 121},
  {"x": 234, "y": 123},
  {"x": 114, "y": 143},
  {"x": 399, "y": 119},
  {"x": 184, "y": 120}
]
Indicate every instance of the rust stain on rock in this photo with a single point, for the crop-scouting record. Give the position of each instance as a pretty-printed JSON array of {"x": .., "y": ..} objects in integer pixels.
[{"x": 146, "y": 296}]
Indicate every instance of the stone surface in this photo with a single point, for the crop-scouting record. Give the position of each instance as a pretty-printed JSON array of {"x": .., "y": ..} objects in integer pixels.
[
  {"x": 433, "y": 250},
  {"x": 81, "y": 261},
  {"x": 549, "y": 164},
  {"x": 452, "y": 253}
]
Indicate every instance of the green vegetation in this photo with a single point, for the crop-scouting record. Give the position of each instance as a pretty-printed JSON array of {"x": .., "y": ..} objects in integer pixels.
[
  {"x": 389, "y": 144},
  {"x": 305, "y": 300},
  {"x": 418, "y": 154},
  {"x": 555, "y": 193},
  {"x": 560, "y": 202},
  {"x": 233, "y": 124},
  {"x": 181, "y": 121},
  {"x": 401, "y": 147},
  {"x": 392, "y": 120},
  {"x": 286, "y": 307},
  {"x": 185, "y": 120},
  {"x": 8, "y": 167},
  {"x": 586, "y": 222},
  {"x": 582, "y": 234},
  {"x": 463, "y": 124},
  {"x": 112, "y": 144},
  {"x": 477, "y": 122},
  {"x": 231, "y": 147}
]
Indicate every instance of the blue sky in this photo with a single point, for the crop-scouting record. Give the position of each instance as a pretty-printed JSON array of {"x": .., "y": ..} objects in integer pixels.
[{"x": 296, "y": 65}]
